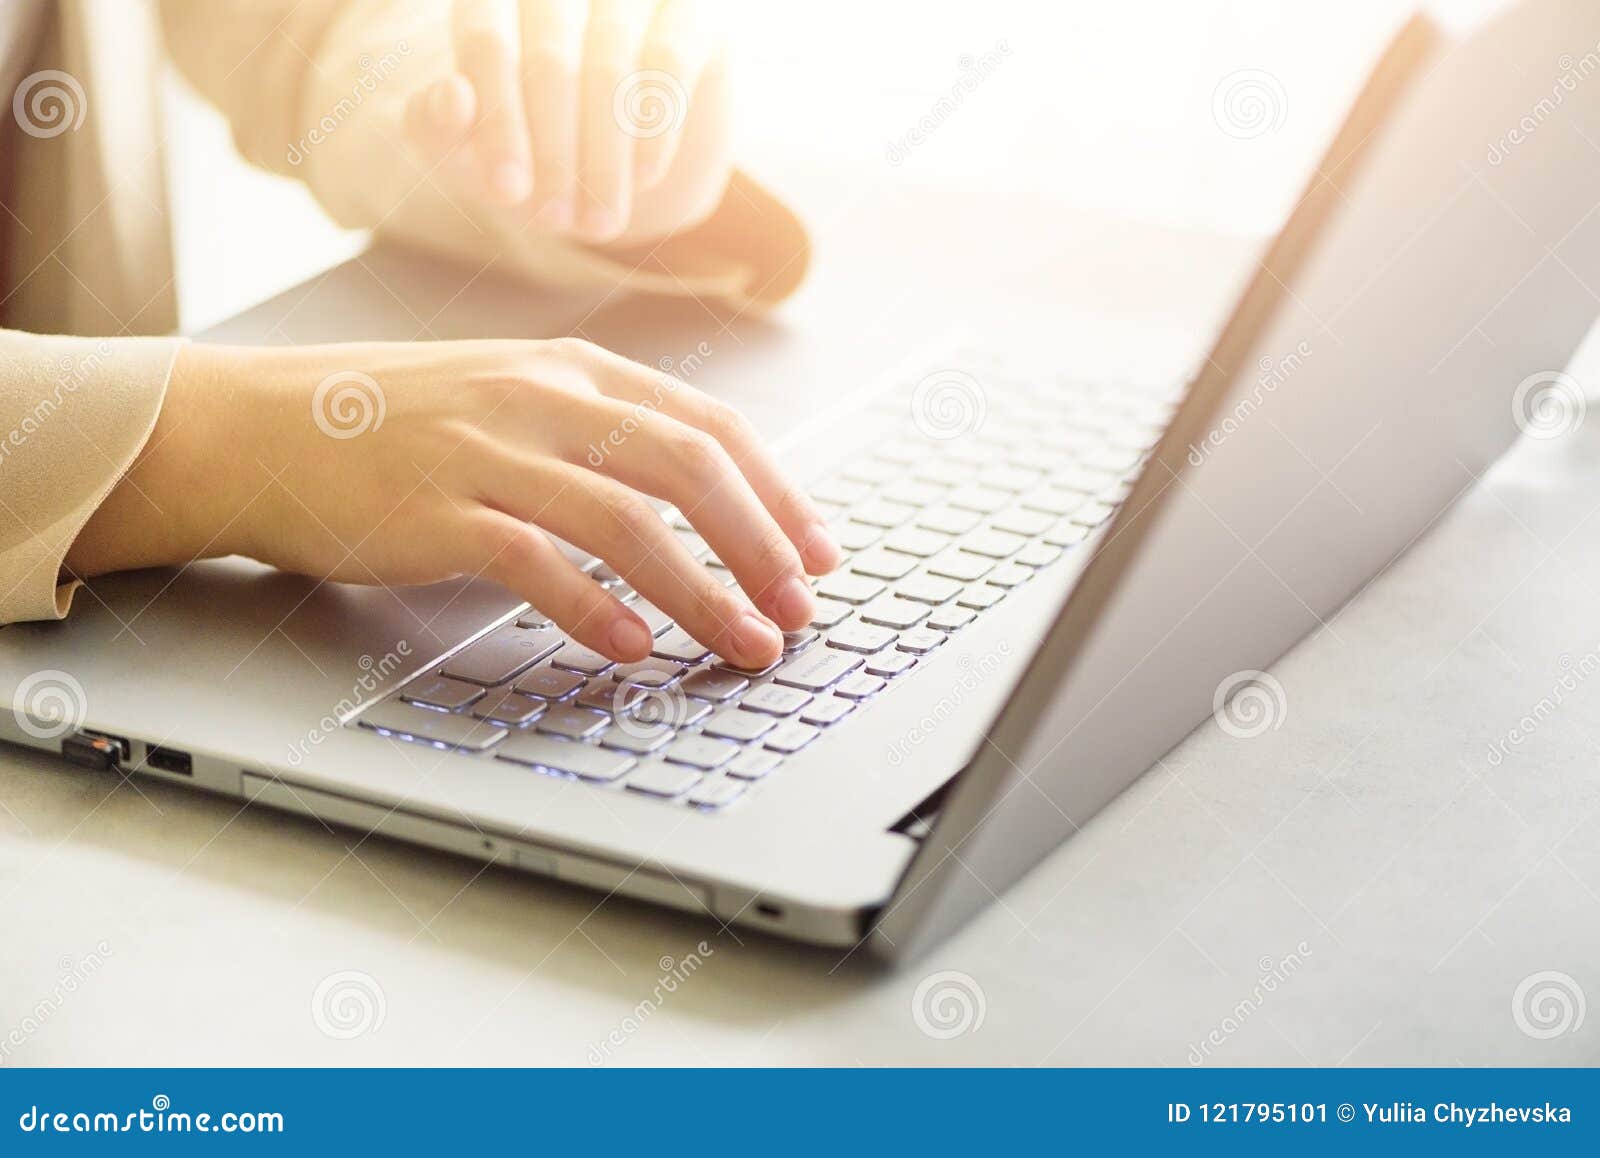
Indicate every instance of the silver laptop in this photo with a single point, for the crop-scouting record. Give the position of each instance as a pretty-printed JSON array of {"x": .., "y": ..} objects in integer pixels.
[{"x": 1049, "y": 581}]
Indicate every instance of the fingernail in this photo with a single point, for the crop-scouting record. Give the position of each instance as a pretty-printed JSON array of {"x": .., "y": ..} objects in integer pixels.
[
  {"x": 758, "y": 640},
  {"x": 651, "y": 171},
  {"x": 447, "y": 106},
  {"x": 510, "y": 183},
  {"x": 629, "y": 639},
  {"x": 793, "y": 602},
  {"x": 821, "y": 551}
]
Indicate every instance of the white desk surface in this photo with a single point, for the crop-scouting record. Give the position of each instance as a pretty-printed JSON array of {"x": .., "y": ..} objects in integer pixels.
[{"x": 1368, "y": 836}]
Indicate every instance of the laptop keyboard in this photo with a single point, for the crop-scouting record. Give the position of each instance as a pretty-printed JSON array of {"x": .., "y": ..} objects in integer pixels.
[{"x": 937, "y": 524}]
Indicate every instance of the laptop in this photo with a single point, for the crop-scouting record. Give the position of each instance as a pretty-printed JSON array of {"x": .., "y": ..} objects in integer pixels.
[{"x": 1049, "y": 581}]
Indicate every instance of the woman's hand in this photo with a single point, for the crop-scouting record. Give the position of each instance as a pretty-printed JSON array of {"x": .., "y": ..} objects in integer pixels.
[
  {"x": 399, "y": 463},
  {"x": 573, "y": 111}
]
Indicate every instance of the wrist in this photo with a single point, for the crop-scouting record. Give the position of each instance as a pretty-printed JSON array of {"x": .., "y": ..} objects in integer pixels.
[{"x": 187, "y": 494}]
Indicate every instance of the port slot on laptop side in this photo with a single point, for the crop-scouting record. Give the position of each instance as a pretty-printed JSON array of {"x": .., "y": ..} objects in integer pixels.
[{"x": 168, "y": 760}]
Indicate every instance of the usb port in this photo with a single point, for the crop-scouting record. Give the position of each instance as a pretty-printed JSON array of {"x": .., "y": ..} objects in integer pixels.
[{"x": 168, "y": 760}]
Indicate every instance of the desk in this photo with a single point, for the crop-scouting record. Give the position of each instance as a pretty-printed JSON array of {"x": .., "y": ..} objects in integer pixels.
[{"x": 1396, "y": 885}]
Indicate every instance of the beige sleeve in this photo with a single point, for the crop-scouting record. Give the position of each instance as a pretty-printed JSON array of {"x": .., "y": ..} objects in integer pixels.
[
  {"x": 315, "y": 89},
  {"x": 74, "y": 413}
]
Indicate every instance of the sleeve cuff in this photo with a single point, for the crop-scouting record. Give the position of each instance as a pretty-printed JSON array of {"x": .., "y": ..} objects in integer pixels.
[{"x": 74, "y": 415}]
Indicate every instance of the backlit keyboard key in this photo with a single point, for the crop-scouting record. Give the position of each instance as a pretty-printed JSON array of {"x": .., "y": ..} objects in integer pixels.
[
  {"x": 980, "y": 596},
  {"x": 850, "y": 588},
  {"x": 920, "y": 640},
  {"x": 1066, "y": 533},
  {"x": 438, "y": 692},
  {"x": 509, "y": 708},
  {"x": 854, "y": 536},
  {"x": 433, "y": 727},
  {"x": 791, "y": 737},
  {"x": 649, "y": 673},
  {"x": 888, "y": 664},
  {"x": 817, "y": 668},
  {"x": 881, "y": 564},
  {"x": 830, "y": 612},
  {"x": 828, "y": 710},
  {"x": 571, "y": 723},
  {"x": 1010, "y": 575},
  {"x": 948, "y": 520},
  {"x": 502, "y": 654},
  {"x": 1053, "y": 501},
  {"x": 733, "y": 724},
  {"x": 860, "y": 637},
  {"x": 960, "y": 565},
  {"x": 993, "y": 544},
  {"x": 715, "y": 685},
  {"x": 932, "y": 589},
  {"x": 951, "y": 618},
  {"x": 549, "y": 684},
  {"x": 637, "y": 739},
  {"x": 581, "y": 760},
  {"x": 1092, "y": 514},
  {"x": 663, "y": 780},
  {"x": 680, "y": 647},
  {"x": 700, "y": 752},
  {"x": 715, "y": 794},
  {"x": 753, "y": 764},
  {"x": 775, "y": 700},
  {"x": 890, "y": 611},
  {"x": 916, "y": 541},
  {"x": 859, "y": 686},
  {"x": 880, "y": 513},
  {"x": 794, "y": 641},
  {"x": 1021, "y": 521},
  {"x": 654, "y": 618},
  {"x": 576, "y": 657},
  {"x": 1038, "y": 555}
]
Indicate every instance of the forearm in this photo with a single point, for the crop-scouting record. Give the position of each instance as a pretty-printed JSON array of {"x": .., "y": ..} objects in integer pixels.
[{"x": 185, "y": 494}]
